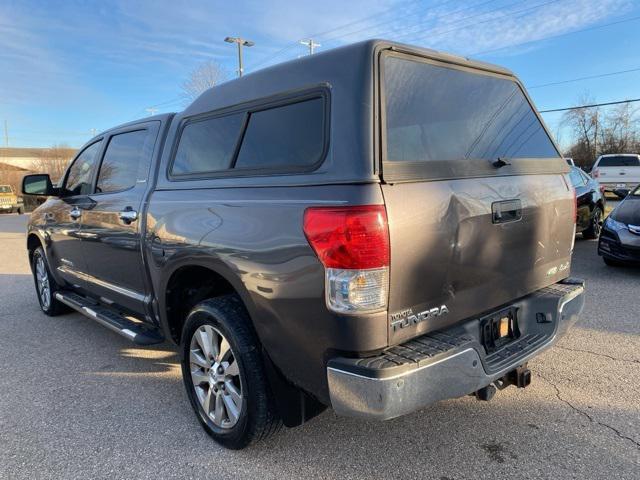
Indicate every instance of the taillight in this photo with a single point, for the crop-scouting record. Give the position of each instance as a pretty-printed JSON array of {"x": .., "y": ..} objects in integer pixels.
[
  {"x": 353, "y": 245},
  {"x": 595, "y": 173}
]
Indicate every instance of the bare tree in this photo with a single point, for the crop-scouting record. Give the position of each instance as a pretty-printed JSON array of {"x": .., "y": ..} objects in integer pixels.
[
  {"x": 203, "y": 77},
  {"x": 597, "y": 132},
  {"x": 54, "y": 161}
]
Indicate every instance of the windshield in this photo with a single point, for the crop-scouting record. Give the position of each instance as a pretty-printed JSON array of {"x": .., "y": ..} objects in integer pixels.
[
  {"x": 436, "y": 113},
  {"x": 5, "y": 189},
  {"x": 619, "y": 161}
]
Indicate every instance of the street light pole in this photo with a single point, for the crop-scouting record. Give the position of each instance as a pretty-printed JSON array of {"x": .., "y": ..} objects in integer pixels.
[
  {"x": 241, "y": 42},
  {"x": 310, "y": 44}
]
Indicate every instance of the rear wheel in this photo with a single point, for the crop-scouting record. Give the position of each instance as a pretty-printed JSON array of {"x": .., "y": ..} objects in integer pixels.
[
  {"x": 595, "y": 225},
  {"x": 224, "y": 375},
  {"x": 46, "y": 286}
]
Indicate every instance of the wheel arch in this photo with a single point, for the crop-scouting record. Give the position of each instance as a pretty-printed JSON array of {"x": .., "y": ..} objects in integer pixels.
[{"x": 188, "y": 283}]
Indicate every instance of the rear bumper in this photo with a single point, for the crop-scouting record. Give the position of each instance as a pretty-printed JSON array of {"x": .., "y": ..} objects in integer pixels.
[
  {"x": 611, "y": 186},
  {"x": 449, "y": 364}
]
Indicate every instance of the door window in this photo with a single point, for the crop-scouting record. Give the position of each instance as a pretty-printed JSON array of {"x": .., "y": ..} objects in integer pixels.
[
  {"x": 120, "y": 166},
  {"x": 80, "y": 176}
]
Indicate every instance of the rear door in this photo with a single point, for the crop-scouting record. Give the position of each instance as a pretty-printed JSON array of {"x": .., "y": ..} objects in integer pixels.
[
  {"x": 111, "y": 229},
  {"x": 583, "y": 198},
  {"x": 480, "y": 212}
]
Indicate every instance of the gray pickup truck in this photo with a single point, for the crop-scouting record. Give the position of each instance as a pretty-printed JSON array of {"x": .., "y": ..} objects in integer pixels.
[{"x": 374, "y": 228}]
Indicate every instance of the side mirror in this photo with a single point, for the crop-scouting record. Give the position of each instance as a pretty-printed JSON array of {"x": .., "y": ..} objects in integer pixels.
[
  {"x": 39, "y": 184},
  {"x": 621, "y": 192}
]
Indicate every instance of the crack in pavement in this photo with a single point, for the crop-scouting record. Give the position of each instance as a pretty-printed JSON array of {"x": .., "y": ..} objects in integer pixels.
[
  {"x": 599, "y": 354},
  {"x": 582, "y": 412}
]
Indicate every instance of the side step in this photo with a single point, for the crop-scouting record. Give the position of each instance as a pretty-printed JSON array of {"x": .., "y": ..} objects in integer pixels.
[{"x": 138, "y": 333}]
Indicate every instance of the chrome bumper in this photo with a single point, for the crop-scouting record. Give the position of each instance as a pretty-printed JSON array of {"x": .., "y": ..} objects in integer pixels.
[{"x": 455, "y": 373}]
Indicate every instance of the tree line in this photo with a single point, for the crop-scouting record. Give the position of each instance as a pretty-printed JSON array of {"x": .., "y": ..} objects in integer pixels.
[{"x": 597, "y": 131}]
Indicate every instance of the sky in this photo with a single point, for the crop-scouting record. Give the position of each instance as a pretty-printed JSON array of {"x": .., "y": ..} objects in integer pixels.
[{"x": 71, "y": 68}]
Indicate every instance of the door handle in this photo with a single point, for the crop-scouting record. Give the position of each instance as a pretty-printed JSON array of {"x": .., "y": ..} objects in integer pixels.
[
  {"x": 75, "y": 213},
  {"x": 128, "y": 215}
]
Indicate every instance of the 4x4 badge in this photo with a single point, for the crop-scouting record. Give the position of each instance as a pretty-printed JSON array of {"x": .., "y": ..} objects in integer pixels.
[{"x": 406, "y": 318}]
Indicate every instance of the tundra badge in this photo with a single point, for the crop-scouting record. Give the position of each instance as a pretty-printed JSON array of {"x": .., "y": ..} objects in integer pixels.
[{"x": 406, "y": 317}]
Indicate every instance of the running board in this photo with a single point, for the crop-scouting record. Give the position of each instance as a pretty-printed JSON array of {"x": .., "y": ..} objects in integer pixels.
[{"x": 138, "y": 333}]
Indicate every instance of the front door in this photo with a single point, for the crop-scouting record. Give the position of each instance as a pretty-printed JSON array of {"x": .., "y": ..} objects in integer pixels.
[
  {"x": 111, "y": 230},
  {"x": 63, "y": 218}
]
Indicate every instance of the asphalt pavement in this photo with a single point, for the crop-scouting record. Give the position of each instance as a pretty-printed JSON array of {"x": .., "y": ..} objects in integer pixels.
[{"x": 78, "y": 401}]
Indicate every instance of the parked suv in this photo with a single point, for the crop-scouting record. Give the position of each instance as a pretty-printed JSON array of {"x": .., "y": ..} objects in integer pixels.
[
  {"x": 619, "y": 171},
  {"x": 373, "y": 238},
  {"x": 9, "y": 201}
]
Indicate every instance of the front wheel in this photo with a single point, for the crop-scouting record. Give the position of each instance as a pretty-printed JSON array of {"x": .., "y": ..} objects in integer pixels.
[
  {"x": 224, "y": 375},
  {"x": 46, "y": 286}
]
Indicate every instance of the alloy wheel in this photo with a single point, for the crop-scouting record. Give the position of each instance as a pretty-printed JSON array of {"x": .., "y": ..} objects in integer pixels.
[
  {"x": 42, "y": 281},
  {"x": 216, "y": 376},
  {"x": 597, "y": 222}
]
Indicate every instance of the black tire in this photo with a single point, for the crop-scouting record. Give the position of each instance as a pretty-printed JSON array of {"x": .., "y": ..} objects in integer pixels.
[
  {"x": 611, "y": 262},
  {"x": 257, "y": 418},
  {"x": 20, "y": 211},
  {"x": 53, "y": 307},
  {"x": 595, "y": 225}
]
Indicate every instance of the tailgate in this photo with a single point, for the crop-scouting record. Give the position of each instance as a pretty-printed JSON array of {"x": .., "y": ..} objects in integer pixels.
[
  {"x": 479, "y": 212},
  {"x": 449, "y": 248}
]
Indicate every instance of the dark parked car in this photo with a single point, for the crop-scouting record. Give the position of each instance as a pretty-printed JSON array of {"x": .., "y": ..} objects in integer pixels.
[
  {"x": 312, "y": 235},
  {"x": 620, "y": 238},
  {"x": 590, "y": 202}
]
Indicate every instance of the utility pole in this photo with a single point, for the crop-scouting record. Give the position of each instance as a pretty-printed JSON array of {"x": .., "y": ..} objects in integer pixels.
[
  {"x": 311, "y": 44},
  {"x": 241, "y": 42},
  {"x": 151, "y": 110},
  {"x": 595, "y": 140},
  {"x": 93, "y": 132},
  {"x": 6, "y": 134}
]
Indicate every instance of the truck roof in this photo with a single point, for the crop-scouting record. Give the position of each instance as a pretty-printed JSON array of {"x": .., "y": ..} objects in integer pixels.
[{"x": 345, "y": 66}]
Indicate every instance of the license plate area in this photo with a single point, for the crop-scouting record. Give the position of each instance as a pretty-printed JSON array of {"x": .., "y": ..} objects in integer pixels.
[{"x": 498, "y": 329}]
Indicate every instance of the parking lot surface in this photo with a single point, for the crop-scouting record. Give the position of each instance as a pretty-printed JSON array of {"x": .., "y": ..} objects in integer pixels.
[{"x": 78, "y": 401}]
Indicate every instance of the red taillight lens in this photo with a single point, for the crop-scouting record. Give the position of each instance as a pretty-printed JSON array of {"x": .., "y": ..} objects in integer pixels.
[
  {"x": 349, "y": 237},
  {"x": 575, "y": 206},
  {"x": 595, "y": 173}
]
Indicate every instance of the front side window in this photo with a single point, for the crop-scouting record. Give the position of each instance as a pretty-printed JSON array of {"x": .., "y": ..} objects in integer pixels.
[
  {"x": 287, "y": 136},
  {"x": 119, "y": 168},
  {"x": 207, "y": 145},
  {"x": 80, "y": 176},
  {"x": 437, "y": 113}
]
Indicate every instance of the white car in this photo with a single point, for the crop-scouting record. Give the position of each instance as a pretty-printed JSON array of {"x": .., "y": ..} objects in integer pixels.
[{"x": 617, "y": 171}]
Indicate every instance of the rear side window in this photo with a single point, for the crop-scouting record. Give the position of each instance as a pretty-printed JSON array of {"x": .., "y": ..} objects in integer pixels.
[
  {"x": 576, "y": 179},
  {"x": 283, "y": 137},
  {"x": 619, "y": 161},
  {"x": 80, "y": 177},
  {"x": 119, "y": 168},
  {"x": 207, "y": 145},
  {"x": 437, "y": 113}
]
